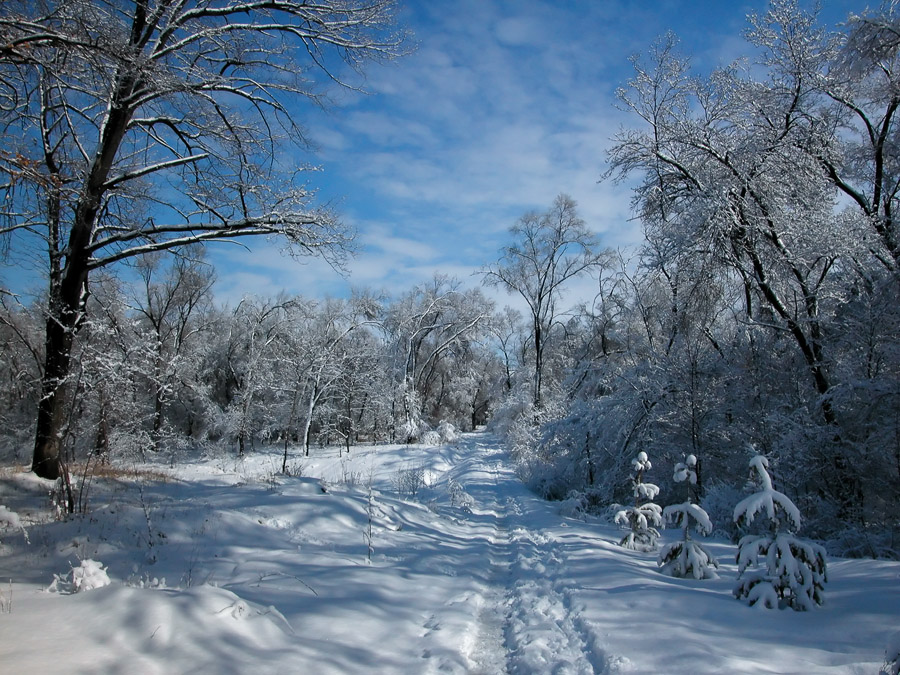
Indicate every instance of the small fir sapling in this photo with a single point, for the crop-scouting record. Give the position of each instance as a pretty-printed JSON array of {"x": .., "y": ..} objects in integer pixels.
[
  {"x": 644, "y": 517},
  {"x": 793, "y": 570},
  {"x": 687, "y": 557}
]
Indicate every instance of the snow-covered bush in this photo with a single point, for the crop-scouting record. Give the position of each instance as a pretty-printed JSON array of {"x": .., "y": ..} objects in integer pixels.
[
  {"x": 409, "y": 480},
  {"x": 793, "y": 571},
  {"x": 564, "y": 447},
  {"x": 10, "y": 520},
  {"x": 511, "y": 411},
  {"x": 459, "y": 497},
  {"x": 852, "y": 541},
  {"x": 411, "y": 430},
  {"x": 89, "y": 575},
  {"x": 448, "y": 433},
  {"x": 443, "y": 434},
  {"x": 688, "y": 557},
  {"x": 526, "y": 442},
  {"x": 644, "y": 517},
  {"x": 579, "y": 504},
  {"x": 430, "y": 437}
]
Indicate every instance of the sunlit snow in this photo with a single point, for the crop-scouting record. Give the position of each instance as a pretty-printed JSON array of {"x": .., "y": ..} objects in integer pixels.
[{"x": 227, "y": 566}]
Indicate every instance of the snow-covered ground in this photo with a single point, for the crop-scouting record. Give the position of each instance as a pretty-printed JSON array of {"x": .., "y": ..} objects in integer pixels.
[{"x": 398, "y": 559}]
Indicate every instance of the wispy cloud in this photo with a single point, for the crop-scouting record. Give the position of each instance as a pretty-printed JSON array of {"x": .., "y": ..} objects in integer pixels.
[{"x": 505, "y": 104}]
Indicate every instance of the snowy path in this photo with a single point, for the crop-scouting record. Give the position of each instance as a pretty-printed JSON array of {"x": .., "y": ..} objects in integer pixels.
[
  {"x": 527, "y": 622},
  {"x": 229, "y": 568},
  {"x": 487, "y": 654}
]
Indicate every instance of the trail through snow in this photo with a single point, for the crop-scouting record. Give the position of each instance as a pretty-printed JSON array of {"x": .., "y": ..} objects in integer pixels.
[
  {"x": 394, "y": 559},
  {"x": 525, "y": 602}
]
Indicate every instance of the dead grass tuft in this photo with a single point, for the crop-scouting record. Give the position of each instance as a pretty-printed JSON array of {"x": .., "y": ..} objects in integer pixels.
[{"x": 120, "y": 473}]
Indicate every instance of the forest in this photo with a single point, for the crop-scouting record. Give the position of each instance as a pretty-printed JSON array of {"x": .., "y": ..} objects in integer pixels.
[{"x": 759, "y": 316}]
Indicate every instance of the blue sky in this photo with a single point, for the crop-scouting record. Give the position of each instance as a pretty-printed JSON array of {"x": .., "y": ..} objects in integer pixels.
[{"x": 504, "y": 105}]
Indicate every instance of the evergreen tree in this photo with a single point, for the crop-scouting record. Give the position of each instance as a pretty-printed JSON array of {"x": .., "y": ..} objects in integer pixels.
[
  {"x": 793, "y": 572},
  {"x": 688, "y": 557},
  {"x": 644, "y": 517}
]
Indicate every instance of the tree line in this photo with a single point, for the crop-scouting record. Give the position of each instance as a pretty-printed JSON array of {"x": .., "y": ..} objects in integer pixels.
[{"x": 159, "y": 367}]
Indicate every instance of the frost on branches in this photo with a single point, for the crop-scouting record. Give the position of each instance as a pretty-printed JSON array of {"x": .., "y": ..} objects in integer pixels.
[
  {"x": 644, "y": 517},
  {"x": 790, "y": 571},
  {"x": 687, "y": 557}
]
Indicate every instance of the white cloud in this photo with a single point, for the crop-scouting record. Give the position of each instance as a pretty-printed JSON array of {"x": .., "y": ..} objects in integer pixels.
[
  {"x": 506, "y": 104},
  {"x": 380, "y": 239}
]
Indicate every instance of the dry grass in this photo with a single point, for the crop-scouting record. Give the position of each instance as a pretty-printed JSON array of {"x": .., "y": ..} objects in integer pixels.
[
  {"x": 119, "y": 473},
  {"x": 8, "y": 471}
]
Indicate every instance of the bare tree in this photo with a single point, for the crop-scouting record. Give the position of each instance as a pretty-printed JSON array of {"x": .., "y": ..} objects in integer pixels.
[
  {"x": 255, "y": 330},
  {"x": 424, "y": 328},
  {"x": 740, "y": 180},
  {"x": 506, "y": 330},
  {"x": 21, "y": 361},
  {"x": 729, "y": 184},
  {"x": 550, "y": 249},
  {"x": 168, "y": 310},
  {"x": 861, "y": 86},
  {"x": 145, "y": 126}
]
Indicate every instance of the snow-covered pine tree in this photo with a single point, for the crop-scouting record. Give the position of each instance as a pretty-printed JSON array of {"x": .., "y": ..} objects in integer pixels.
[
  {"x": 794, "y": 571},
  {"x": 644, "y": 517},
  {"x": 688, "y": 557}
]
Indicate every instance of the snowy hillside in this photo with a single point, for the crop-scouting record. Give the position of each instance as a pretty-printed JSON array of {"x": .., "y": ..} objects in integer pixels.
[{"x": 397, "y": 559}]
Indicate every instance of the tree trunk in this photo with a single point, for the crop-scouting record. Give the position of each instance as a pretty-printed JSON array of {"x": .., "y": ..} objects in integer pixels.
[
  {"x": 538, "y": 362},
  {"x": 310, "y": 408},
  {"x": 349, "y": 419},
  {"x": 65, "y": 313},
  {"x": 101, "y": 443},
  {"x": 590, "y": 459},
  {"x": 158, "y": 393},
  {"x": 68, "y": 290},
  {"x": 51, "y": 414}
]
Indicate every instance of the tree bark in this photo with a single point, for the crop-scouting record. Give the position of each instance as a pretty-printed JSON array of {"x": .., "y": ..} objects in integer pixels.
[{"x": 64, "y": 316}]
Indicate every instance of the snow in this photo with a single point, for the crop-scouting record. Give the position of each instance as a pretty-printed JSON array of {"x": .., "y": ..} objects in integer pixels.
[
  {"x": 685, "y": 471},
  {"x": 892, "y": 655},
  {"x": 229, "y": 567},
  {"x": 689, "y": 515},
  {"x": 9, "y": 519},
  {"x": 89, "y": 575},
  {"x": 687, "y": 558},
  {"x": 767, "y": 499}
]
